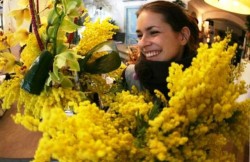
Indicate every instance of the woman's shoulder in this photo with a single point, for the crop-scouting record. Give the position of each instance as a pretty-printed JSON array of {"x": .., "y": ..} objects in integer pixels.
[{"x": 131, "y": 77}]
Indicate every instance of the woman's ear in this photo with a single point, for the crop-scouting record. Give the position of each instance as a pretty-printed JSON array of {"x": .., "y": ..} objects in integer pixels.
[{"x": 184, "y": 34}]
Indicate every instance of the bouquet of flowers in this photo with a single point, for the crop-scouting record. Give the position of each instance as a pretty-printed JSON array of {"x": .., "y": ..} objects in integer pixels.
[{"x": 54, "y": 76}]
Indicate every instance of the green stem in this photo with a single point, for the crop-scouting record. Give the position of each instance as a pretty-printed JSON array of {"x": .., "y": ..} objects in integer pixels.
[
  {"x": 56, "y": 29},
  {"x": 38, "y": 15},
  {"x": 56, "y": 32}
]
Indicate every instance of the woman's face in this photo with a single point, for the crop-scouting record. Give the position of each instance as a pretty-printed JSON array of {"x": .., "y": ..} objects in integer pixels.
[{"x": 156, "y": 38}]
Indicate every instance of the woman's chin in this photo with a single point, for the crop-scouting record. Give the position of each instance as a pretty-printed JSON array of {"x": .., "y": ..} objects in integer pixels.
[{"x": 154, "y": 58}]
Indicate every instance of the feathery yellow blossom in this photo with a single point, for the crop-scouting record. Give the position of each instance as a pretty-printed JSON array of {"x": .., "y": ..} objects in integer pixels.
[{"x": 94, "y": 34}]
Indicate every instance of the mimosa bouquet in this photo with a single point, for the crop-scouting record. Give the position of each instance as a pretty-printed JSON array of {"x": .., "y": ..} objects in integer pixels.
[
  {"x": 51, "y": 59},
  {"x": 201, "y": 117}
]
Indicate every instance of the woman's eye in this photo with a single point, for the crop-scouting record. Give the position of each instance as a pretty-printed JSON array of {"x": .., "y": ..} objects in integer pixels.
[
  {"x": 139, "y": 36},
  {"x": 154, "y": 32},
  {"x": 150, "y": 33}
]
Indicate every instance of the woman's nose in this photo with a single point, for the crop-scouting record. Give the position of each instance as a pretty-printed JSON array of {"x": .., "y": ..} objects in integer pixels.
[{"x": 143, "y": 41}]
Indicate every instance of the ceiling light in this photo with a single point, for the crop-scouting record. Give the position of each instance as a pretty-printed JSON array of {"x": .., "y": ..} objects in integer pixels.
[{"x": 236, "y": 6}]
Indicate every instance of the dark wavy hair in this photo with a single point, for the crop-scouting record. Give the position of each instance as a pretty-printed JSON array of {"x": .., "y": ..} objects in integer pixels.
[{"x": 177, "y": 18}]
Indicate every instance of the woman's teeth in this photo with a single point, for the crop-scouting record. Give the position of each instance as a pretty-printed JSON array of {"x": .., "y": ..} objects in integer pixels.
[{"x": 151, "y": 53}]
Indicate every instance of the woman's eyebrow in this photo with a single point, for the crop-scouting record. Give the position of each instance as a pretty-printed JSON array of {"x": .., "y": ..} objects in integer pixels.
[{"x": 147, "y": 29}]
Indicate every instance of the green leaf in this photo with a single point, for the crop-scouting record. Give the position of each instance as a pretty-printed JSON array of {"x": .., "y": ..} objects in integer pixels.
[
  {"x": 61, "y": 37},
  {"x": 60, "y": 61},
  {"x": 34, "y": 80},
  {"x": 52, "y": 17},
  {"x": 71, "y": 6},
  {"x": 69, "y": 3},
  {"x": 61, "y": 79},
  {"x": 74, "y": 14},
  {"x": 74, "y": 65},
  {"x": 55, "y": 77},
  {"x": 104, "y": 64},
  {"x": 56, "y": 71},
  {"x": 61, "y": 47},
  {"x": 67, "y": 59},
  {"x": 68, "y": 25},
  {"x": 66, "y": 82},
  {"x": 155, "y": 110},
  {"x": 140, "y": 132},
  {"x": 51, "y": 31},
  {"x": 103, "y": 46}
]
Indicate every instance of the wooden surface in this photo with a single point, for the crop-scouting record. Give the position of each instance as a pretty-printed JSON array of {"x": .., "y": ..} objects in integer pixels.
[{"x": 15, "y": 140}]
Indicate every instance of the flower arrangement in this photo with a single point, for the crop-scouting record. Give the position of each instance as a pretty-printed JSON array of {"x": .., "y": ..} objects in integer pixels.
[{"x": 200, "y": 118}]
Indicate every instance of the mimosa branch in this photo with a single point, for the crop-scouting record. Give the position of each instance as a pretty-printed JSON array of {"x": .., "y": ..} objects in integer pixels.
[
  {"x": 38, "y": 15},
  {"x": 34, "y": 24}
]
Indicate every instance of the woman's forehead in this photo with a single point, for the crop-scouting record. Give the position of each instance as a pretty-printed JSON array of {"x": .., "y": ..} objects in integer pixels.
[{"x": 150, "y": 19}]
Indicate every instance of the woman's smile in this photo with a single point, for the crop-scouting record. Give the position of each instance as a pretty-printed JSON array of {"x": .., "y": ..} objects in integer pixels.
[{"x": 149, "y": 54}]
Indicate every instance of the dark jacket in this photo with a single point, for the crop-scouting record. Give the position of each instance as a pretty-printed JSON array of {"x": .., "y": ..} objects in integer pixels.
[{"x": 152, "y": 75}]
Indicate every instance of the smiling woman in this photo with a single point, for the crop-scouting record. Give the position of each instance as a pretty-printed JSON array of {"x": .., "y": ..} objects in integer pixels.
[{"x": 161, "y": 40}]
